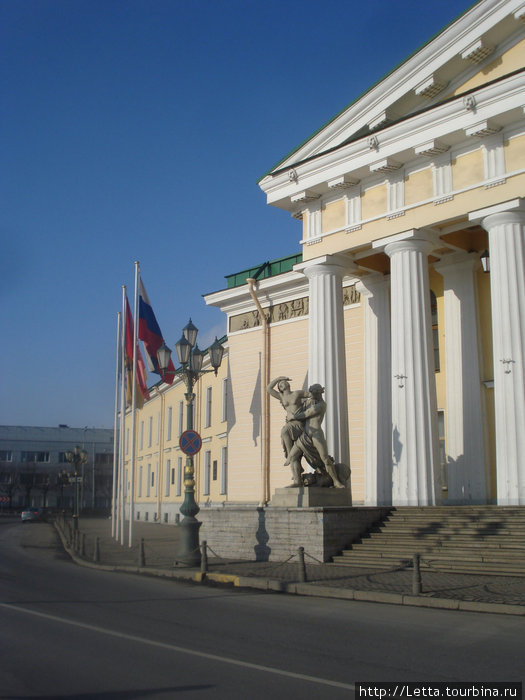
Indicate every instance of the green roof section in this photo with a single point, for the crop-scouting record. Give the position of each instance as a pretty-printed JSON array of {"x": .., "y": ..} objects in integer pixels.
[
  {"x": 264, "y": 270},
  {"x": 294, "y": 150}
]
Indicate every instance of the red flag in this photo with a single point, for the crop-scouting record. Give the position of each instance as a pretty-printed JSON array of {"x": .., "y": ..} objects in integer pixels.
[{"x": 143, "y": 393}]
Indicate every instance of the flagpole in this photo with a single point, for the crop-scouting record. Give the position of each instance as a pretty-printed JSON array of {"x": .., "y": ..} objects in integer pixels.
[
  {"x": 120, "y": 519},
  {"x": 115, "y": 433},
  {"x": 134, "y": 402}
]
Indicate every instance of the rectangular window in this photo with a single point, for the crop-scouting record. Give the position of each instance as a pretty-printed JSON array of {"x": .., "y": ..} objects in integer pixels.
[
  {"x": 35, "y": 457},
  {"x": 150, "y": 430},
  {"x": 62, "y": 458},
  {"x": 224, "y": 470},
  {"x": 154, "y": 481},
  {"x": 179, "y": 477},
  {"x": 167, "y": 484},
  {"x": 7, "y": 456},
  {"x": 214, "y": 470},
  {"x": 141, "y": 434},
  {"x": 168, "y": 421},
  {"x": 158, "y": 428},
  {"x": 207, "y": 415},
  {"x": 173, "y": 476},
  {"x": 181, "y": 418},
  {"x": 207, "y": 466},
  {"x": 148, "y": 483},
  {"x": 224, "y": 400},
  {"x": 140, "y": 480}
]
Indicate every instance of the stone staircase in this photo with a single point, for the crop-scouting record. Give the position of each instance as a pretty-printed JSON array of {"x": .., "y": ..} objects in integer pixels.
[{"x": 458, "y": 539}]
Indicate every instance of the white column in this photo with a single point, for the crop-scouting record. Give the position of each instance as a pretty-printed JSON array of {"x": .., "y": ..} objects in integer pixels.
[
  {"x": 414, "y": 413},
  {"x": 377, "y": 385},
  {"x": 326, "y": 350},
  {"x": 464, "y": 421},
  {"x": 505, "y": 224}
]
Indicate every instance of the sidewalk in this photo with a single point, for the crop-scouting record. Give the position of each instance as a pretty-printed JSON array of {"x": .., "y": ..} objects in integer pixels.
[{"x": 496, "y": 594}]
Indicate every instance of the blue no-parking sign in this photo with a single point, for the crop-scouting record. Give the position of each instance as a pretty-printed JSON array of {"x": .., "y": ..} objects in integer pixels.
[{"x": 190, "y": 442}]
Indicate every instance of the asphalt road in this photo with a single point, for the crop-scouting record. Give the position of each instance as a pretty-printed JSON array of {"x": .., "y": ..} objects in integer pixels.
[{"x": 70, "y": 632}]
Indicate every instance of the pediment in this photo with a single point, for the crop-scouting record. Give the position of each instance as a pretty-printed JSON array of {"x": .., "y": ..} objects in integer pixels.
[{"x": 478, "y": 47}]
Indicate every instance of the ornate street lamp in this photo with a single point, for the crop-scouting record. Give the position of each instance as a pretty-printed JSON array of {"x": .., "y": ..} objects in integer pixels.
[
  {"x": 77, "y": 458},
  {"x": 191, "y": 359}
]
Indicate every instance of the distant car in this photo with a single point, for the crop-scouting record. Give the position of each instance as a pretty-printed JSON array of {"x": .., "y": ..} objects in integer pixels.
[{"x": 31, "y": 514}]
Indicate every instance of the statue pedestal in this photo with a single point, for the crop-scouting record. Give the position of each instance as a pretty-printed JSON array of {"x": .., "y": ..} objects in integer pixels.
[{"x": 311, "y": 497}]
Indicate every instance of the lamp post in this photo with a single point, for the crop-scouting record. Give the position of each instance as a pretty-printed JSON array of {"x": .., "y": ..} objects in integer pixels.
[
  {"x": 190, "y": 358},
  {"x": 77, "y": 458}
]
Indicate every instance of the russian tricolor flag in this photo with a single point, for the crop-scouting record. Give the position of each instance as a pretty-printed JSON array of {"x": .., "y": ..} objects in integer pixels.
[{"x": 149, "y": 333}]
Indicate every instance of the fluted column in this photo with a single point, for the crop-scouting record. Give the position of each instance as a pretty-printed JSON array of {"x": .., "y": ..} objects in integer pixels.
[
  {"x": 414, "y": 412},
  {"x": 465, "y": 440},
  {"x": 374, "y": 291},
  {"x": 505, "y": 224},
  {"x": 326, "y": 349}
]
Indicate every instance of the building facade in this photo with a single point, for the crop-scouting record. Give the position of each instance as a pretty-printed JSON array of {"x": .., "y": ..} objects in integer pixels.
[
  {"x": 34, "y": 470},
  {"x": 158, "y": 488},
  {"x": 401, "y": 197}
]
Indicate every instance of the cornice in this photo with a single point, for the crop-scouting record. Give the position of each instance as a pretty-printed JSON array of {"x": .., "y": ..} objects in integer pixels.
[
  {"x": 445, "y": 124},
  {"x": 456, "y": 39}
]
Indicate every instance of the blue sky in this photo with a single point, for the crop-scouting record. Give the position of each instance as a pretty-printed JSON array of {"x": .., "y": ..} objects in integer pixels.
[{"x": 137, "y": 130}]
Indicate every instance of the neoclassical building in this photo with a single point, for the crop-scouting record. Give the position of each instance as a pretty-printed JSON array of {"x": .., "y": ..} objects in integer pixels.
[{"x": 401, "y": 197}]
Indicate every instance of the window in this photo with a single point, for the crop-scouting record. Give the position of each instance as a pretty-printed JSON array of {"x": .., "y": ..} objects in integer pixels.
[
  {"x": 35, "y": 457},
  {"x": 141, "y": 434},
  {"x": 173, "y": 476},
  {"x": 224, "y": 470},
  {"x": 435, "y": 329},
  {"x": 168, "y": 421},
  {"x": 158, "y": 428},
  {"x": 179, "y": 477},
  {"x": 207, "y": 415},
  {"x": 207, "y": 465},
  {"x": 154, "y": 481},
  {"x": 224, "y": 399},
  {"x": 150, "y": 430},
  {"x": 140, "y": 480},
  {"x": 181, "y": 418},
  {"x": 214, "y": 470},
  {"x": 148, "y": 483},
  {"x": 7, "y": 456},
  {"x": 167, "y": 484}
]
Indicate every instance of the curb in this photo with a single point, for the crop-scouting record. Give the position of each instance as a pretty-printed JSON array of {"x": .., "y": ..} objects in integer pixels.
[{"x": 303, "y": 589}]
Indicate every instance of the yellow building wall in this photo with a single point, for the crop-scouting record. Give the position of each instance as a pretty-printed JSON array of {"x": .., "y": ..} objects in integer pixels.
[
  {"x": 510, "y": 61},
  {"x": 467, "y": 169},
  {"x": 157, "y": 446},
  {"x": 514, "y": 150},
  {"x": 419, "y": 186},
  {"x": 333, "y": 216},
  {"x": 374, "y": 201},
  {"x": 289, "y": 348}
]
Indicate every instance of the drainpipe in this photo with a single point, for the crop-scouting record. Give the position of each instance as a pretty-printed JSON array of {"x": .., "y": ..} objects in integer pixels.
[{"x": 265, "y": 398}]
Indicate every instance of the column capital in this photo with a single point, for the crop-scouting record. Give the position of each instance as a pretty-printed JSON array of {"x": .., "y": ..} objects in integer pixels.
[
  {"x": 368, "y": 286},
  {"x": 410, "y": 240},
  {"x": 512, "y": 206},
  {"x": 338, "y": 263},
  {"x": 449, "y": 263}
]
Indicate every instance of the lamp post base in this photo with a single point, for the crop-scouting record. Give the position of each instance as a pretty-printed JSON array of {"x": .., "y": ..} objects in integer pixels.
[{"x": 189, "y": 553}]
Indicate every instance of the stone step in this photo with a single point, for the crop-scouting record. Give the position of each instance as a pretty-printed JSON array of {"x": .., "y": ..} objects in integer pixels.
[
  {"x": 488, "y": 543},
  {"x": 445, "y": 529},
  {"x": 479, "y": 568},
  {"x": 439, "y": 555},
  {"x": 442, "y": 553}
]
